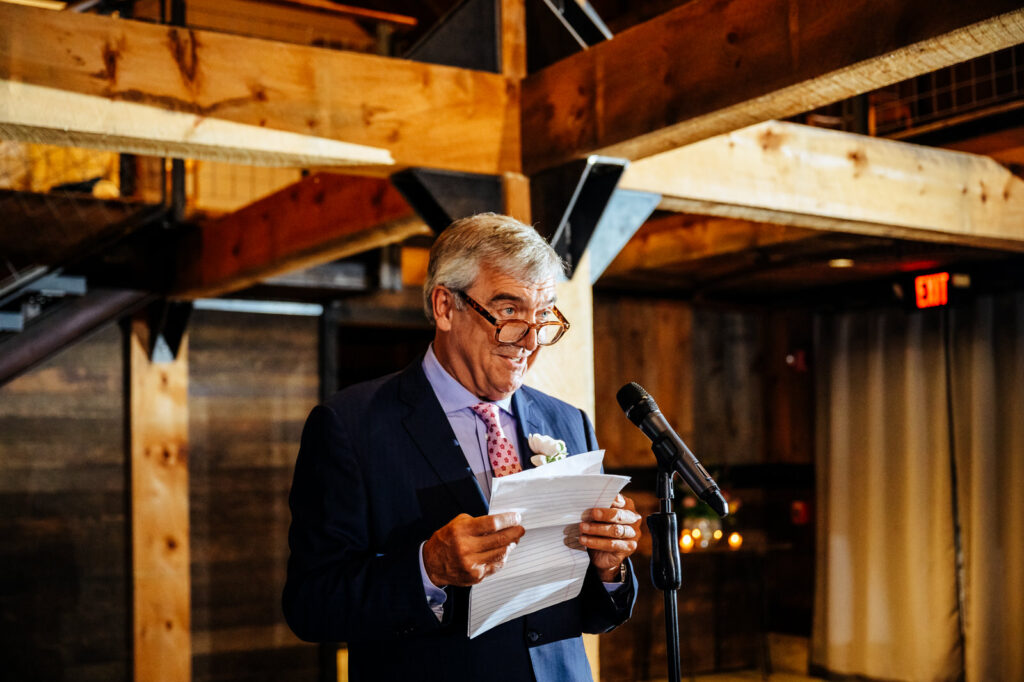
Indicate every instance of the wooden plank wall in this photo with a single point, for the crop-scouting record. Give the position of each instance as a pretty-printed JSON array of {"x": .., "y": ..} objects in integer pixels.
[
  {"x": 64, "y": 589},
  {"x": 253, "y": 381},
  {"x": 64, "y": 602},
  {"x": 728, "y": 387},
  {"x": 647, "y": 341},
  {"x": 722, "y": 379}
]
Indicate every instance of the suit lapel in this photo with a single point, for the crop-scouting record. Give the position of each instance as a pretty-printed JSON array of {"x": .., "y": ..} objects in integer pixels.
[
  {"x": 428, "y": 427},
  {"x": 528, "y": 420}
]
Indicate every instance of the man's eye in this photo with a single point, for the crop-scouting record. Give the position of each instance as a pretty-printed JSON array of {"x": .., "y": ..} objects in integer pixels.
[
  {"x": 544, "y": 316},
  {"x": 508, "y": 311}
]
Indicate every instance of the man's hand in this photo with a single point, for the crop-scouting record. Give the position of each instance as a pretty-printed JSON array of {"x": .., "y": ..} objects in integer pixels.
[
  {"x": 468, "y": 549},
  {"x": 610, "y": 535}
]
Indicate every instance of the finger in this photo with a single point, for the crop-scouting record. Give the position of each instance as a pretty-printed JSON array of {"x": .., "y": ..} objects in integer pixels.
[
  {"x": 610, "y": 515},
  {"x": 495, "y": 557},
  {"x": 481, "y": 565},
  {"x": 483, "y": 525},
  {"x": 609, "y": 530},
  {"x": 619, "y": 502},
  {"x": 601, "y": 544},
  {"x": 499, "y": 540}
]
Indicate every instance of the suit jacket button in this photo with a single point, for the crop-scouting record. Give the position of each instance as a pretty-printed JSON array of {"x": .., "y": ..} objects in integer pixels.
[{"x": 533, "y": 636}]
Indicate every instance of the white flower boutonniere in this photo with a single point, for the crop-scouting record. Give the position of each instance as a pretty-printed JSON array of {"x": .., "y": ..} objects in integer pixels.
[{"x": 548, "y": 449}]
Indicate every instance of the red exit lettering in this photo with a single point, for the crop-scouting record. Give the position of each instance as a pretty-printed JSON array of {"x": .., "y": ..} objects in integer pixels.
[{"x": 932, "y": 290}]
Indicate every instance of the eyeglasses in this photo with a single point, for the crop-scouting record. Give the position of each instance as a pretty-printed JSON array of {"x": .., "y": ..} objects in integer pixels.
[{"x": 513, "y": 331}]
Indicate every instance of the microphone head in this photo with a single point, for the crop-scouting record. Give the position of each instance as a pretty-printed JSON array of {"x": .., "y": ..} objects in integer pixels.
[
  {"x": 635, "y": 402},
  {"x": 716, "y": 500}
]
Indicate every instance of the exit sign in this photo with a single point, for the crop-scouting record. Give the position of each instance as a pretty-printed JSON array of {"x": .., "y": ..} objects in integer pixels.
[{"x": 931, "y": 290}]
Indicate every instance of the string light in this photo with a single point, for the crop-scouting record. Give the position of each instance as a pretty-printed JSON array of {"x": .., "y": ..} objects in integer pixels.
[{"x": 735, "y": 540}]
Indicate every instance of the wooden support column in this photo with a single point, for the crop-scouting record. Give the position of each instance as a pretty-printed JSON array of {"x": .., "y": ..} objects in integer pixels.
[
  {"x": 516, "y": 194},
  {"x": 566, "y": 370},
  {"x": 158, "y": 437},
  {"x": 515, "y": 185}
]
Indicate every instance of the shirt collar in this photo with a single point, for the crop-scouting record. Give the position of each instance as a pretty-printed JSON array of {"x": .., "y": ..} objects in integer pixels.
[{"x": 452, "y": 395}]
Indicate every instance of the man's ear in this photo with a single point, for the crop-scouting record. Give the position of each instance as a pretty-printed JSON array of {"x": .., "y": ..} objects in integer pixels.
[{"x": 443, "y": 302}]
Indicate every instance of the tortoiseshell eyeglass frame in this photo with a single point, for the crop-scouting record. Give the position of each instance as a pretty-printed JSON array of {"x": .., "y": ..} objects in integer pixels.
[{"x": 562, "y": 323}]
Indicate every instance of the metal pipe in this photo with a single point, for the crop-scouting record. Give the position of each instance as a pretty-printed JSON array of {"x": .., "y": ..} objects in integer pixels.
[{"x": 53, "y": 332}]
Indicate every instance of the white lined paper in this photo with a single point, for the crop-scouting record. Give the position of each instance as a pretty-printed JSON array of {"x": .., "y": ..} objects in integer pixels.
[{"x": 548, "y": 564}]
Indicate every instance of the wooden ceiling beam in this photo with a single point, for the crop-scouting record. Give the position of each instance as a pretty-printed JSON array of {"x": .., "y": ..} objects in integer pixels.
[
  {"x": 712, "y": 66},
  {"x": 318, "y": 219},
  {"x": 424, "y": 114},
  {"x": 1005, "y": 146},
  {"x": 284, "y": 21},
  {"x": 791, "y": 174},
  {"x": 48, "y": 116},
  {"x": 681, "y": 238}
]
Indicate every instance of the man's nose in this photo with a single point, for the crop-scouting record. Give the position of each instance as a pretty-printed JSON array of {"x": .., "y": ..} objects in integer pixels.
[{"x": 529, "y": 342}]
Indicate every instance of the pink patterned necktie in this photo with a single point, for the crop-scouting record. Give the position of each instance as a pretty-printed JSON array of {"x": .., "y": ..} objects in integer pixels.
[{"x": 500, "y": 451}]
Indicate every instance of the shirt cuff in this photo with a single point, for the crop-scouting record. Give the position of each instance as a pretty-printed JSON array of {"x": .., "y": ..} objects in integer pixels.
[
  {"x": 436, "y": 597},
  {"x": 616, "y": 586}
]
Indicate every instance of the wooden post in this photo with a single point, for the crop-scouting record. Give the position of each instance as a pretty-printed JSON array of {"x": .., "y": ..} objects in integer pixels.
[
  {"x": 158, "y": 437},
  {"x": 566, "y": 371}
]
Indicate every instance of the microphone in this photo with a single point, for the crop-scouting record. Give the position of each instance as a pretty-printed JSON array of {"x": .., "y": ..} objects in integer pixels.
[{"x": 669, "y": 448}]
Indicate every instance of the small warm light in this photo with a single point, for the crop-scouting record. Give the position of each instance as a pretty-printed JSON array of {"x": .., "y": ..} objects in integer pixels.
[
  {"x": 841, "y": 263},
  {"x": 735, "y": 540},
  {"x": 717, "y": 534},
  {"x": 695, "y": 533},
  {"x": 686, "y": 542}
]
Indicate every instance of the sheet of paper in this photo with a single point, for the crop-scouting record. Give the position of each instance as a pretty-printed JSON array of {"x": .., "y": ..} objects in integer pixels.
[{"x": 549, "y": 563}]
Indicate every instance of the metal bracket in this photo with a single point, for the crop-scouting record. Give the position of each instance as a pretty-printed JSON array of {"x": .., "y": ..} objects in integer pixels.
[
  {"x": 440, "y": 197},
  {"x": 626, "y": 211},
  {"x": 168, "y": 321},
  {"x": 568, "y": 202},
  {"x": 468, "y": 36}
]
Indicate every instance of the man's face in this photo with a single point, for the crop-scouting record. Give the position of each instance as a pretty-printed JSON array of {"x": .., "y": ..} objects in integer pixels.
[{"x": 465, "y": 343}]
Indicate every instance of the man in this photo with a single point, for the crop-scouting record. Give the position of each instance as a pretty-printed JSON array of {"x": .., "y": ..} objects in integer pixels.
[{"x": 389, "y": 502}]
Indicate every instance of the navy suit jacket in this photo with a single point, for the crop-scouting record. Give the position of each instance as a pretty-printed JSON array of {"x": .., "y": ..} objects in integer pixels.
[{"x": 378, "y": 471}]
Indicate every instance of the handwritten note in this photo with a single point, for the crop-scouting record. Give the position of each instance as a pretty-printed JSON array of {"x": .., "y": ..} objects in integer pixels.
[{"x": 549, "y": 563}]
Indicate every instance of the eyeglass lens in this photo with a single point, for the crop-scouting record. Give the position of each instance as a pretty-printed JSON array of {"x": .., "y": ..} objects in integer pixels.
[{"x": 515, "y": 330}]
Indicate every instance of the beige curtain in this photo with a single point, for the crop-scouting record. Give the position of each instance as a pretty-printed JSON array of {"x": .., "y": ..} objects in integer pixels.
[
  {"x": 887, "y": 579},
  {"x": 885, "y": 600},
  {"x": 988, "y": 386}
]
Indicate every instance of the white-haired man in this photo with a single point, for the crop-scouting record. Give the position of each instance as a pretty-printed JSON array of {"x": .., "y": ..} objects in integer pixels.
[{"x": 389, "y": 502}]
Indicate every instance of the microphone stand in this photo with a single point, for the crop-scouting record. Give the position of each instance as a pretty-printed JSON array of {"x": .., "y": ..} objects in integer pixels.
[{"x": 666, "y": 572}]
